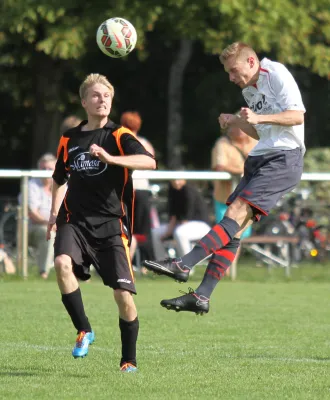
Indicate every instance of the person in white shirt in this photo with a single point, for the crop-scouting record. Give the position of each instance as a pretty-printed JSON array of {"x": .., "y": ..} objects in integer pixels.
[
  {"x": 274, "y": 117},
  {"x": 39, "y": 204}
]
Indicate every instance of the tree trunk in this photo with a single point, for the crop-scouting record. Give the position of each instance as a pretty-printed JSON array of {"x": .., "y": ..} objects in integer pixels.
[
  {"x": 47, "y": 119},
  {"x": 175, "y": 85}
]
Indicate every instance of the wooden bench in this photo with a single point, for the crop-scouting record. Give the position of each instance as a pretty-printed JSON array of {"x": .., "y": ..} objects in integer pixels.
[
  {"x": 258, "y": 245},
  {"x": 271, "y": 239}
]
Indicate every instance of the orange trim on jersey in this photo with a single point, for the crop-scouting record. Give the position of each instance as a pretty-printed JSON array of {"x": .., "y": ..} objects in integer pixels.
[
  {"x": 133, "y": 206},
  {"x": 63, "y": 143},
  {"x": 117, "y": 134},
  {"x": 66, "y": 208},
  {"x": 126, "y": 247}
]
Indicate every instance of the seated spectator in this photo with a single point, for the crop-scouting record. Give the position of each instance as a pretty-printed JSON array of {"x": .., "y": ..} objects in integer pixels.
[
  {"x": 39, "y": 204},
  {"x": 188, "y": 219},
  {"x": 142, "y": 204}
]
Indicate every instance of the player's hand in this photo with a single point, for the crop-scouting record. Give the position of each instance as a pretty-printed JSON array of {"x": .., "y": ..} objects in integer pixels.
[
  {"x": 51, "y": 226},
  {"x": 226, "y": 120},
  {"x": 249, "y": 116},
  {"x": 100, "y": 153}
]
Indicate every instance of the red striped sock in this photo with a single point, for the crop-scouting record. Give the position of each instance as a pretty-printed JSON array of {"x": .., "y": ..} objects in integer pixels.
[
  {"x": 218, "y": 237},
  {"x": 217, "y": 266}
]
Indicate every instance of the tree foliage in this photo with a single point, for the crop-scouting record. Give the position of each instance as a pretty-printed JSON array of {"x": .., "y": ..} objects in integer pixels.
[
  {"x": 47, "y": 46},
  {"x": 298, "y": 32}
]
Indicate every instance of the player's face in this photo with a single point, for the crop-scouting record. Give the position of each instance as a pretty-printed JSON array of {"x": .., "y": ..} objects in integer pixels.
[
  {"x": 97, "y": 101},
  {"x": 241, "y": 70}
]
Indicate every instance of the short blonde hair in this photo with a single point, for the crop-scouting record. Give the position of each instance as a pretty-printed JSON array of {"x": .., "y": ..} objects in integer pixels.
[
  {"x": 236, "y": 50},
  {"x": 91, "y": 80}
]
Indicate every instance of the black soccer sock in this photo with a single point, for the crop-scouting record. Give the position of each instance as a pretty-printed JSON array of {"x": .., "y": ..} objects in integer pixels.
[
  {"x": 75, "y": 308},
  {"x": 221, "y": 234},
  {"x": 215, "y": 271},
  {"x": 129, "y": 333}
]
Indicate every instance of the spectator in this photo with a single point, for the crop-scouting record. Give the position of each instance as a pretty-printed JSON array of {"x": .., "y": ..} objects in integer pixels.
[
  {"x": 39, "y": 204},
  {"x": 142, "y": 204},
  {"x": 8, "y": 265},
  {"x": 133, "y": 121},
  {"x": 188, "y": 219},
  {"x": 229, "y": 154},
  {"x": 69, "y": 122}
]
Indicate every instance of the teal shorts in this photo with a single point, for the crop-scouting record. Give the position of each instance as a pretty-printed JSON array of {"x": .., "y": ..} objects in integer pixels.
[{"x": 220, "y": 210}]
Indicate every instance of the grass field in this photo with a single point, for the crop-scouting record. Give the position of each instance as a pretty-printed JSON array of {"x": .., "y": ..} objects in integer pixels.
[{"x": 264, "y": 338}]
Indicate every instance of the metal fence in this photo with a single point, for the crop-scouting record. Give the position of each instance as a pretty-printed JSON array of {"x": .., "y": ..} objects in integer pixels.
[{"x": 24, "y": 175}]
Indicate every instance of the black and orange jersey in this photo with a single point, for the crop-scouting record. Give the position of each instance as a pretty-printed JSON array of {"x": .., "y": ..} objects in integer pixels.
[{"x": 99, "y": 196}]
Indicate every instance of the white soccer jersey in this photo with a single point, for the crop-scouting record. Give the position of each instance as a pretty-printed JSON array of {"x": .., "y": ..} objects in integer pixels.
[{"x": 275, "y": 91}]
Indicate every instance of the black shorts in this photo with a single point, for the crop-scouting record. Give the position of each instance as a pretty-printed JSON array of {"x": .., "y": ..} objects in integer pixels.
[
  {"x": 110, "y": 256},
  {"x": 267, "y": 178}
]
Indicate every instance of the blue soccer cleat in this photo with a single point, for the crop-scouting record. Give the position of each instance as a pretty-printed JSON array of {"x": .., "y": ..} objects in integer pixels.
[
  {"x": 84, "y": 339},
  {"x": 128, "y": 367}
]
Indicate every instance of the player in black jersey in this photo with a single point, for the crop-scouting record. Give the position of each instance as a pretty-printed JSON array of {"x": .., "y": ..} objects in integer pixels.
[{"x": 93, "y": 216}]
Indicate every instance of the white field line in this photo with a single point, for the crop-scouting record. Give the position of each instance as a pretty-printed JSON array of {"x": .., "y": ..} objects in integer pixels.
[{"x": 28, "y": 346}]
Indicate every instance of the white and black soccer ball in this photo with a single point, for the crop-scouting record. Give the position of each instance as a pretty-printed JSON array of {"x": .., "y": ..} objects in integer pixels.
[{"x": 116, "y": 37}]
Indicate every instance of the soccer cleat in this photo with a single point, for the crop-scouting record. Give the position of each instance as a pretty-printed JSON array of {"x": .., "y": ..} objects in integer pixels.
[
  {"x": 84, "y": 339},
  {"x": 171, "y": 267},
  {"x": 128, "y": 367},
  {"x": 188, "y": 302}
]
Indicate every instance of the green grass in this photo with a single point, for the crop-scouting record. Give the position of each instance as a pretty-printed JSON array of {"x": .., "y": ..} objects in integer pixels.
[{"x": 266, "y": 337}]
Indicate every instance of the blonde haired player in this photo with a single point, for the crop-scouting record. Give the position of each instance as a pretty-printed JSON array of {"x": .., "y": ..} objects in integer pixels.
[
  {"x": 274, "y": 117},
  {"x": 96, "y": 158}
]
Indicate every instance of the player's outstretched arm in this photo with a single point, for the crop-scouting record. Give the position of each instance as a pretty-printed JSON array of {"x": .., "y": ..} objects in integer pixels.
[
  {"x": 134, "y": 161},
  {"x": 284, "y": 118}
]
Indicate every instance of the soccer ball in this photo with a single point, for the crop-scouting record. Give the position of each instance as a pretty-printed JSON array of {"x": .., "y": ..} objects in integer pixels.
[{"x": 116, "y": 37}]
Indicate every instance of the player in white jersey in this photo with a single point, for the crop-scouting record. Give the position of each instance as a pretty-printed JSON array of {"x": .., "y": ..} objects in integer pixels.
[{"x": 275, "y": 117}]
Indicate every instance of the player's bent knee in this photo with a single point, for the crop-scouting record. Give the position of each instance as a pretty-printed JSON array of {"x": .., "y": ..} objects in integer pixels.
[
  {"x": 239, "y": 209},
  {"x": 63, "y": 265},
  {"x": 122, "y": 295},
  {"x": 124, "y": 299}
]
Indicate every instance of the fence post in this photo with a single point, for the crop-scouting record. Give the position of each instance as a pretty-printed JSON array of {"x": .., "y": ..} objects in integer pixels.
[
  {"x": 24, "y": 226},
  {"x": 19, "y": 240}
]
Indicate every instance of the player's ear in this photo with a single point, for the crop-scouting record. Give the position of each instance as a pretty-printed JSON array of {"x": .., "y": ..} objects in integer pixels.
[{"x": 251, "y": 61}]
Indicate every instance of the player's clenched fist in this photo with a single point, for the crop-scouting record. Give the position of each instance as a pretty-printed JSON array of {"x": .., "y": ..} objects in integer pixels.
[
  {"x": 226, "y": 120},
  {"x": 100, "y": 153},
  {"x": 249, "y": 116}
]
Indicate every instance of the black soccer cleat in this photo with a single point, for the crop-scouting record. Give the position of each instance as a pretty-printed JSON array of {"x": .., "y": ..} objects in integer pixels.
[
  {"x": 171, "y": 267},
  {"x": 188, "y": 302}
]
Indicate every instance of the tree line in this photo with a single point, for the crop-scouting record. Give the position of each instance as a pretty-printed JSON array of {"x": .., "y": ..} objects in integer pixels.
[{"x": 173, "y": 78}]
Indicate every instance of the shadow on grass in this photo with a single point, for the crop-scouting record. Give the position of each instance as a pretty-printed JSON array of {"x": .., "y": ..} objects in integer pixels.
[{"x": 16, "y": 371}]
